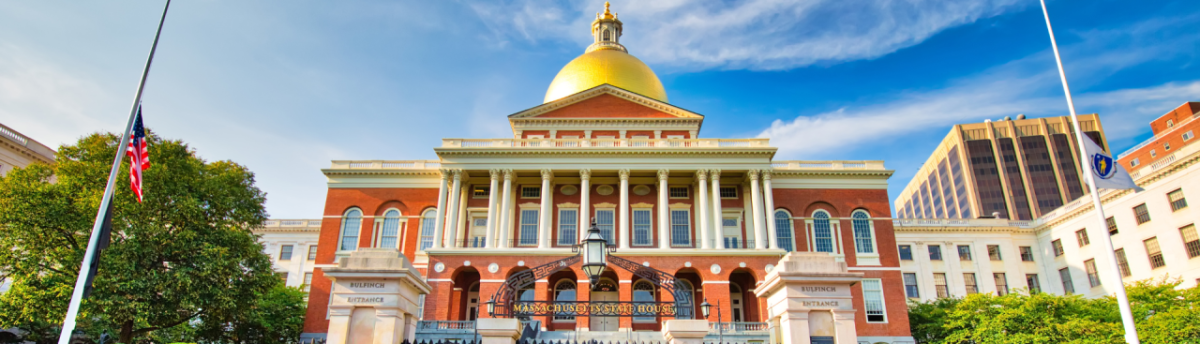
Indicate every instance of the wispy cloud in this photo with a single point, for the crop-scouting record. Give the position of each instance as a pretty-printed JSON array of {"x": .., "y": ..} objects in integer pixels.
[{"x": 758, "y": 34}]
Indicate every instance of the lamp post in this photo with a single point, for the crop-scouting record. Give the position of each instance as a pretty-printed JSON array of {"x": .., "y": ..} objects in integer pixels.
[
  {"x": 720, "y": 330},
  {"x": 595, "y": 254},
  {"x": 491, "y": 307}
]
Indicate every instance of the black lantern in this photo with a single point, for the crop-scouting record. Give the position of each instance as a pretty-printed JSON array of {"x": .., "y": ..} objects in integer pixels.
[
  {"x": 491, "y": 308},
  {"x": 704, "y": 307},
  {"x": 595, "y": 254}
]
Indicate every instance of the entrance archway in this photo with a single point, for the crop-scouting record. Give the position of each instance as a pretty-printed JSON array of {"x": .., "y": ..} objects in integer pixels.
[
  {"x": 741, "y": 295},
  {"x": 604, "y": 291}
]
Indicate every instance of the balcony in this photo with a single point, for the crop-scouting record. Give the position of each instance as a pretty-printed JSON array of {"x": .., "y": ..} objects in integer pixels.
[{"x": 605, "y": 143}]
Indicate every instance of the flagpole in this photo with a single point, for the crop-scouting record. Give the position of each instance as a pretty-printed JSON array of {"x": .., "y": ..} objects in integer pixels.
[
  {"x": 81, "y": 279},
  {"x": 1106, "y": 244}
]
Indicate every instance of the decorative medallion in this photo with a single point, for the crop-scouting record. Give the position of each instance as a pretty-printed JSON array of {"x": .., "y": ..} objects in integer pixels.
[
  {"x": 716, "y": 269},
  {"x": 493, "y": 267},
  {"x": 569, "y": 190},
  {"x": 604, "y": 190},
  {"x": 439, "y": 267},
  {"x": 687, "y": 264},
  {"x": 520, "y": 263},
  {"x": 770, "y": 267},
  {"x": 641, "y": 190},
  {"x": 646, "y": 264},
  {"x": 468, "y": 263},
  {"x": 742, "y": 264}
]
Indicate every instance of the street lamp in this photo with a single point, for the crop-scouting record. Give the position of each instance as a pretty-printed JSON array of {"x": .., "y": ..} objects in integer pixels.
[
  {"x": 595, "y": 254},
  {"x": 491, "y": 307},
  {"x": 704, "y": 308}
]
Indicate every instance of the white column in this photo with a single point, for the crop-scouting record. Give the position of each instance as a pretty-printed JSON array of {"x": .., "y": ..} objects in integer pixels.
[
  {"x": 664, "y": 233},
  {"x": 504, "y": 223},
  {"x": 452, "y": 211},
  {"x": 440, "y": 222},
  {"x": 718, "y": 217},
  {"x": 756, "y": 205},
  {"x": 585, "y": 205},
  {"x": 544, "y": 224},
  {"x": 461, "y": 228},
  {"x": 624, "y": 211},
  {"x": 702, "y": 209},
  {"x": 492, "y": 213},
  {"x": 769, "y": 199}
]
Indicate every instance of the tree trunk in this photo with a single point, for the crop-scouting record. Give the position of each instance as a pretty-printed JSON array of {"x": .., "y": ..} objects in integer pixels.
[{"x": 127, "y": 332}]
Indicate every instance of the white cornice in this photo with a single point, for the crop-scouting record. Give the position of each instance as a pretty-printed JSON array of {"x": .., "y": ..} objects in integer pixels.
[{"x": 600, "y": 90}]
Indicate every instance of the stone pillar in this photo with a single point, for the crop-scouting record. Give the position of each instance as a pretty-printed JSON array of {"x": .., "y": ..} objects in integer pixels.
[
  {"x": 585, "y": 204},
  {"x": 498, "y": 330},
  {"x": 685, "y": 331},
  {"x": 492, "y": 221},
  {"x": 760, "y": 240},
  {"x": 664, "y": 221},
  {"x": 440, "y": 222},
  {"x": 769, "y": 199},
  {"x": 506, "y": 212},
  {"x": 702, "y": 210},
  {"x": 809, "y": 293},
  {"x": 624, "y": 208},
  {"x": 452, "y": 211},
  {"x": 718, "y": 217},
  {"x": 374, "y": 292},
  {"x": 543, "y": 223}
]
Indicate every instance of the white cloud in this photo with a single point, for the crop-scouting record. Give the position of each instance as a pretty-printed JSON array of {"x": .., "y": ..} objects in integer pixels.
[{"x": 758, "y": 34}]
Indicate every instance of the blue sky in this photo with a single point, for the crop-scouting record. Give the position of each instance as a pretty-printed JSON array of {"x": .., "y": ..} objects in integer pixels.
[{"x": 285, "y": 87}]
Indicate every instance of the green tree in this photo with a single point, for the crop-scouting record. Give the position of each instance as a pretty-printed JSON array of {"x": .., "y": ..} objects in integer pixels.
[{"x": 187, "y": 252}]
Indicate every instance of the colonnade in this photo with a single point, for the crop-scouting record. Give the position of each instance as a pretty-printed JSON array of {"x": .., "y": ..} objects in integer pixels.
[{"x": 503, "y": 226}]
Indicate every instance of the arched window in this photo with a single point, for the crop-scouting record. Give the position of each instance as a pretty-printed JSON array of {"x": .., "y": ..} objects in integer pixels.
[
  {"x": 863, "y": 242},
  {"x": 564, "y": 291},
  {"x": 605, "y": 36},
  {"x": 822, "y": 232},
  {"x": 643, "y": 294},
  {"x": 351, "y": 224},
  {"x": 390, "y": 233},
  {"x": 526, "y": 295},
  {"x": 783, "y": 230},
  {"x": 686, "y": 286},
  {"x": 427, "y": 222}
]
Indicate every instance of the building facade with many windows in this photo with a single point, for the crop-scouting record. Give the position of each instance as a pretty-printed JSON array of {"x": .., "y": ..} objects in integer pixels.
[
  {"x": 607, "y": 148},
  {"x": 292, "y": 246}
]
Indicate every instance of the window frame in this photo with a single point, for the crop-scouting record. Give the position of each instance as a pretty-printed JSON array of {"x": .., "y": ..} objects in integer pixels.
[
  {"x": 648, "y": 225},
  {"x": 780, "y": 223},
  {"x": 1111, "y": 224},
  {"x": 1026, "y": 253},
  {"x": 1093, "y": 274},
  {"x": 556, "y": 292},
  {"x": 858, "y": 218},
  {"x": 721, "y": 192},
  {"x": 1068, "y": 283},
  {"x": 911, "y": 290},
  {"x": 1177, "y": 204},
  {"x": 573, "y": 224},
  {"x": 381, "y": 223},
  {"x": 522, "y": 195},
  {"x": 970, "y": 283},
  {"x": 653, "y": 290},
  {"x": 428, "y": 223},
  {"x": 306, "y": 284},
  {"x": 477, "y": 189},
  {"x": 900, "y": 252},
  {"x": 964, "y": 255},
  {"x": 1122, "y": 263},
  {"x": 994, "y": 253},
  {"x": 1001, "y": 288},
  {"x": 1141, "y": 213},
  {"x": 289, "y": 249},
  {"x": 523, "y": 213},
  {"x": 1192, "y": 247},
  {"x": 312, "y": 252},
  {"x": 1155, "y": 256},
  {"x": 1081, "y": 237},
  {"x": 1057, "y": 247},
  {"x": 675, "y": 229},
  {"x": 876, "y": 290},
  {"x": 934, "y": 248},
  {"x": 612, "y": 227},
  {"x": 1031, "y": 282},
  {"x": 687, "y": 192},
  {"x": 941, "y": 290},
  {"x": 812, "y": 222},
  {"x": 342, "y": 231}
]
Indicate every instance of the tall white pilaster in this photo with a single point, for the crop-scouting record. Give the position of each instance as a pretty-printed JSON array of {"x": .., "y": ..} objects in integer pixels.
[
  {"x": 440, "y": 221},
  {"x": 624, "y": 211},
  {"x": 452, "y": 211},
  {"x": 664, "y": 221},
  {"x": 756, "y": 204},
  {"x": 718, "y": 217},
  {"x": 769, "y": 199},
  {"x": 702, "y": 209},
  {"x": 493, "y": 194},
  {"x": 585, "y": 204},
  {"x": 505, "y": 223},
  {"x": 544, "y": 224}
]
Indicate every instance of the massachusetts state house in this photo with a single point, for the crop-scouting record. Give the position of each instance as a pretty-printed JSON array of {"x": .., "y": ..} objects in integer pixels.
[{"x": 607, "y": 147}]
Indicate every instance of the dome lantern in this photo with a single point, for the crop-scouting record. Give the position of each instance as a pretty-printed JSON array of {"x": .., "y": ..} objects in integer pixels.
[
  {"x": 606, "y": 61},
  {"x": 606, "y": 31}
]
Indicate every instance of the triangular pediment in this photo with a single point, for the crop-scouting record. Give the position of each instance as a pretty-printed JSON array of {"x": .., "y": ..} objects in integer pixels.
[{"x": 606, "y": 102}]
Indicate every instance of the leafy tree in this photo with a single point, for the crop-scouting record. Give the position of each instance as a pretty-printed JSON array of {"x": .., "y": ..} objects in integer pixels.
[
  {"x": 184, "y": 254},
  {"x": 927, "y": 319}
]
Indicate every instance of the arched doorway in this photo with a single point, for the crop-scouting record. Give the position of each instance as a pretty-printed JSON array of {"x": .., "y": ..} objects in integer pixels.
[
  {"x": 604, "y": 291},
  {"x": 465, "y": 295},
  {"x": 473, "y": 302},
  {"x": 742, "y": 300},
  {"x": 736, "y": 304},
  {"x": 690, "y": 281}
]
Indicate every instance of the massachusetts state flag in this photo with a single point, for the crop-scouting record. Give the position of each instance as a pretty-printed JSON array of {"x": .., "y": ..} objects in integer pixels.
[
  {"x": 139, "y": 155},
  {"x": 1105, "y": 170}
]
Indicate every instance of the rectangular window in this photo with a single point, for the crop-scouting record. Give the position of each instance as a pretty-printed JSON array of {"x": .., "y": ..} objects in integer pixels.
[
  {"x": 568, "y": 226},
  {"x": 529, "y": 228},
  {"x": 1093, "y": 275},
  {"x": 964, "y": 252},
  {"x": 681, "y": 233},
  {"x": 970, "y": 282},
  {"x": 641, "y": 227},
  {"x": 873, "y": 299},
  {"x": 678, "y": 191},
  {"x": 1057, "y": 245},
  {"x": 1177, "y": 200},
  {"x": 312, "y": 252},
  {"x": 1026, "y": 253},
  {"x": 1188, "y": 136},
  {"x": 1112, "y": 225},
  {"x": 939, "y": 283},
  {"x": 1191, "y": 241},
  {"x": 729, "y": 192},
  {"x": 1166, "y": 146},
  {"x": 1032, "y": 281},
  {"x": 1155, "y": 253},
  {"x": 307, "y": 281},
  {"x": 1123, "y": 263},
  {"x": 905, "y": 252},
  {"x": 1065, "y": 275},
  {"x": 604, "y": 220},
  {"x": 285, "y": 252},
  {"x": 1081, "y": 236},
  {"x": 1141, "y": 213},
  {"x": 1001, "y": 283},
  {"x": 910, "y": 286},
  {"x": 531, "y": 191},
  {"x": 1134, "y": 162},
  {"x": 994, "y": 252},
  {"x": 480, "y": 192},
  {"x": 729, "y": 226},
  {"x": 935, "y": 252}
]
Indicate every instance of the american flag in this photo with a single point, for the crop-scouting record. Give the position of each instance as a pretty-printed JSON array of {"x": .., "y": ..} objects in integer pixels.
[{"x": 139, "y": 155}]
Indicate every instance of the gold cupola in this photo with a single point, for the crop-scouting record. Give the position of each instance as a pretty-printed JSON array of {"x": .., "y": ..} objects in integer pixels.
[{"x": 606, "y": 61}]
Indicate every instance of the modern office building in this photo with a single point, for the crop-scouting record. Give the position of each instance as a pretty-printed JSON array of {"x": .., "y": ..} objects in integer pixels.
[
  {"x": 1153, "y": 232},
  {"x": 292, "y": 246},
  {"x": 1013, "y": 169}
]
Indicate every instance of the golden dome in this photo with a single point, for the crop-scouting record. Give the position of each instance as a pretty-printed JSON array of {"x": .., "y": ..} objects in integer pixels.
[{"x": 606, "y": 62}]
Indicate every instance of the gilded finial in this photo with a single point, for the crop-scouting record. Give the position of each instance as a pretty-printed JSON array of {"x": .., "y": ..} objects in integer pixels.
[{"x": 607, "y": 14}]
